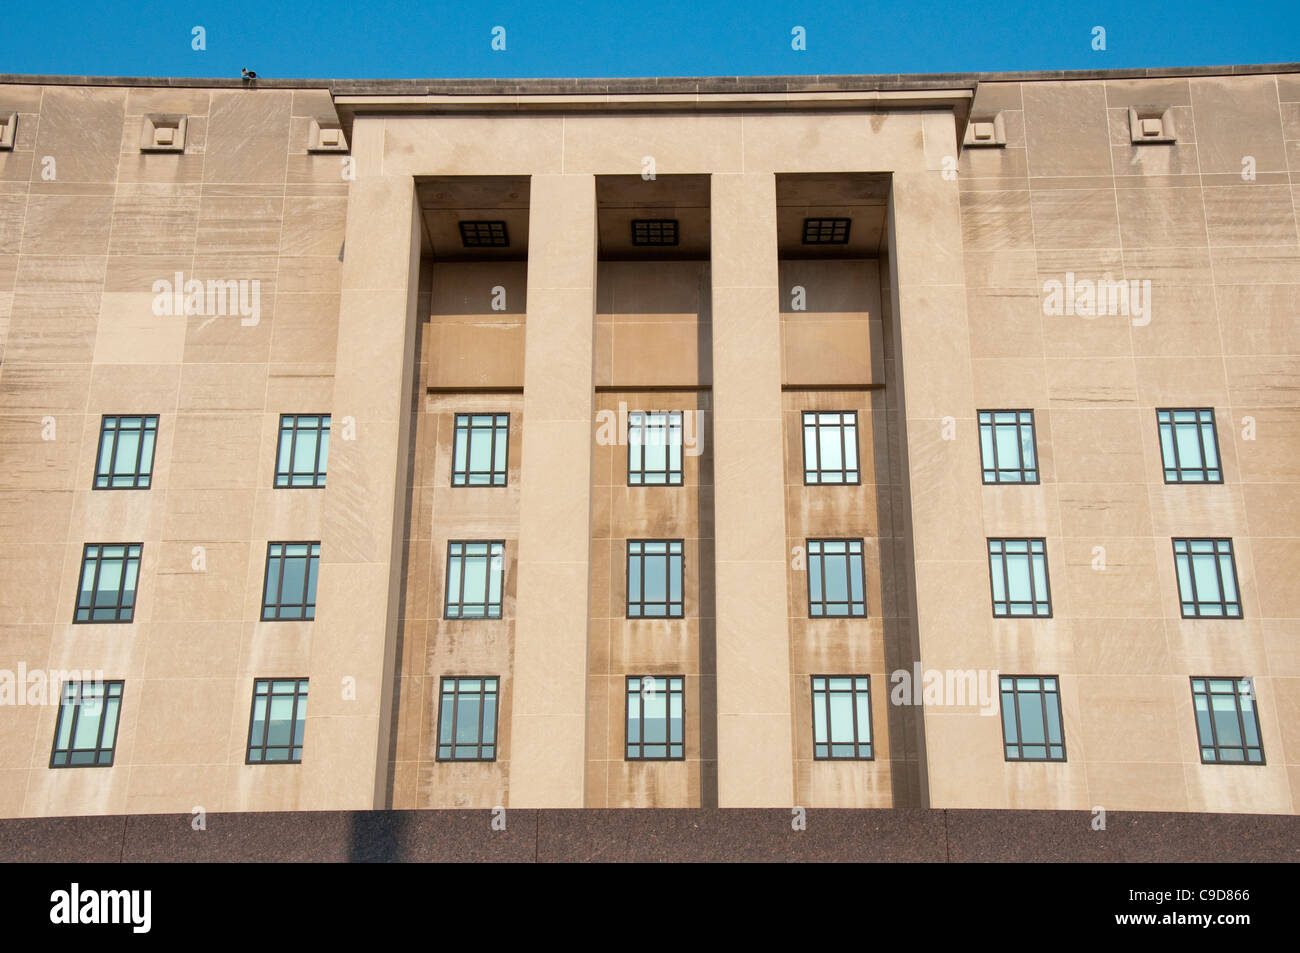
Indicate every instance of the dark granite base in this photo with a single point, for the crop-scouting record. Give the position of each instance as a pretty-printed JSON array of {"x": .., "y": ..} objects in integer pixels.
[{"x": 656, "y": 835}]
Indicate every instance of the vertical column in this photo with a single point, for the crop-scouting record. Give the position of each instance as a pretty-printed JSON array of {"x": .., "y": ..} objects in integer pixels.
[
  {"x": 364, "y": 506},
  {"x": 548, "y": 719},
  {"x": 755, "y": 766},
  {"x": 933, "y": 362}
]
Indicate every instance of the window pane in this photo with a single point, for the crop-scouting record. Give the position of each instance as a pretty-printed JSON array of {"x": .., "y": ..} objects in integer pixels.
[{"x": 841, "y": 718}]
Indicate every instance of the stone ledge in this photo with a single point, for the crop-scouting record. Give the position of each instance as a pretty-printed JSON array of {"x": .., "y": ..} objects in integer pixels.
[{"x": 656, "y": 835}]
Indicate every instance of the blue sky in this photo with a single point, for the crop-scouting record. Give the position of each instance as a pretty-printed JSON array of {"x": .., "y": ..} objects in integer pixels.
[{"x": 386, "y": 39}]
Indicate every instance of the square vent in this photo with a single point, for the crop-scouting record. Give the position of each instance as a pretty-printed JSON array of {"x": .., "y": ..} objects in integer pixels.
[
  {"x": 8, "y": 127},
  {"x": 987, "y": 130},
  {"x": 654, "y": 231},
  {"x": 484, "y": 235},
  {"x": 326, "y": 137},
  {"x": 826, "y": 231},
  {"x": 1150, "y": 124},
  {"x": 162, "y": 133}
]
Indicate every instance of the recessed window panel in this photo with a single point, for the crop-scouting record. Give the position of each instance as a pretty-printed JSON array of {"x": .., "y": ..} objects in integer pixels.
[
  {"x": 1008, "y": 452},
  {"x": 303, "y": 451},
  {"x": 1018, "y": 576},
  {"x": 1189, "y": 446},
  {"x": 655, "y": 718},
  {"x": 1207, "y": 579},
  {"x": 126, "y": 449},
  {"x": 467, "y": 719},
  {"x": 86, "y": 733},
  {"x": 826, "y": 231},
  {"x": 475, "y": 579},
  {"x": 841, "y": 718},
  {"x": 654, "y": 579},
  {"x": 654, "y": 448},
  {"x": 480, "y": 450},
  {"x": 289, "y": 588},
  {"x": 484, "y": 235},
  {"x": 110, "y": 573},
  {"x": 1227, "y": 721},
  {"x": 830, "y": 448},
  {"x": 278, "y": 722},
  {"x": 836, "y": 583},
  {"x": 1031, "y": 718},
  {"x": 654, "y": 231}
]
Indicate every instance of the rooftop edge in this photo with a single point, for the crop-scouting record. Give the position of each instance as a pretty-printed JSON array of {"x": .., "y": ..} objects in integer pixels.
[{"x": 651, "y": 85}]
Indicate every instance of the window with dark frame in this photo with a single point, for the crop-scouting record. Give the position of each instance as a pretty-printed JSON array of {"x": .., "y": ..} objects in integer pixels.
[
  {"x": 106, "y": 590},
  {"x": 480, "y": 450},
  {"x": 289, "y": 589},
  {"x": 836, "y": 583},
  {"x": 826, "y": 231},
  {"x": 842, "y": 718},
  {"x": 484, "y": 234},
  {"x": 1018, "y": 578},
  {"x": 126, "y": 450},
  {"x": 654, "y": 448},
  {"x": 302, "y": 454},
  {"x": 655, "y": 718},
  {"x": 85, "y": 735},
  {"x": 830, "y": 448},
  {"x": 1031, "y": 718},
  {"x": 1227, "y": 721},
  {"x": 1207, "y": 579},
  {"x": 467, "y": 719},
  {"x": 654, "y": 231},
  {"x": 475, "y": 579},
  {"x": 278, "y": 721},
  {"x": 1008, "y": 450},
  {"x": 654, "y": 579},
  {"x": 1189, "y": 445}
]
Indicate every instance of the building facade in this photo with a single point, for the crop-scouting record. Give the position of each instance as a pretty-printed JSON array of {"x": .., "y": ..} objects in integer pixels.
[{"x": 853, "y": 442}]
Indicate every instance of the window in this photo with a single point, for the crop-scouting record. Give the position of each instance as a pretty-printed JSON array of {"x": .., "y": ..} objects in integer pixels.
[
  {"x": 481, "y": 450},
  {"x": 830, "y": 447},
  {"x": 826, "y": 231},
  {"x": 86, "y": 732},
  {"x": 654, "y": 231},
  {"x": 290, "y": 588},
  {"x": 1189, "y": 446},
  {"x": 1031, "y": 718},
  {"x": 1007, "y": 449},
  {"x": 1018, "y": 575},
  {"x": 1227, "y": 721},
  {"x": 279, "y": 719},
  {"x": 835, "y": 581},
  {"x": 654, "y": 718},
  {"x": 467, "y": 720},
  {"x": 654, "y": 578},
  {"x": 1207, "y": 579},
  {"x": 126, "y": 446},
  {"x": 654, "y": 448},
  {"x": 484, "y": 234},
  {"x": 109, "y": 574},
  {"x": 474, "y": 575},
  {"x": 841, "y": 718},
  {"x": 304, "y": 450}
]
